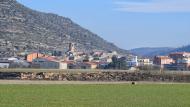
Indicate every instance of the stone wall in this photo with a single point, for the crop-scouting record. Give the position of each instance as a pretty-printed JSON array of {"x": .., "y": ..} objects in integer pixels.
[{"x": 95, "y": 76}]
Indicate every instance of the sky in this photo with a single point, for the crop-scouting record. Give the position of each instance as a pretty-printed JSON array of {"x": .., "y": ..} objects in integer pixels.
[{"x": 127, "y": 23}]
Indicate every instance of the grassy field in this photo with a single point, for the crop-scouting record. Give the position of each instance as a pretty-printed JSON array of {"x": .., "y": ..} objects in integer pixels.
[{"x": 118, "y": 95}]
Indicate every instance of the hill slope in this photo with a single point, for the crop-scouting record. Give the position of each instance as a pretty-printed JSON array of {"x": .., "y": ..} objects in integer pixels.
[{"x": 25, "y": 29}]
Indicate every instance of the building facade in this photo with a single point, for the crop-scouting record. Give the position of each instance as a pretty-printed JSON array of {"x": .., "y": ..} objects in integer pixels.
[
  {"x": 182, "y": 60},
  {"x": 30, "y": 57},
  {"x": 162, "y": 60}
]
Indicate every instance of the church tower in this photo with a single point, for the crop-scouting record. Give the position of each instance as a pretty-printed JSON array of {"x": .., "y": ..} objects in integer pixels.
[{"x": 71, "y": 47}]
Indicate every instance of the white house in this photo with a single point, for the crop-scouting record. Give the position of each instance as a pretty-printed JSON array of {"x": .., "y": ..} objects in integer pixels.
[
  {"x": 132, "y": 62},
  {"x": 4, "y": 63},
  {"x": 52, "y": 63}
]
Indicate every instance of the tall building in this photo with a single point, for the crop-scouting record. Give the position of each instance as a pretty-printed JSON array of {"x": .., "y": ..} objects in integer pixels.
[{"x": 71, "y": 53}]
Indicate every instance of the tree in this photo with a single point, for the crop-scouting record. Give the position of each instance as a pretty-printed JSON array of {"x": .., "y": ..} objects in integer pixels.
[{"x": 118, "y": 63}]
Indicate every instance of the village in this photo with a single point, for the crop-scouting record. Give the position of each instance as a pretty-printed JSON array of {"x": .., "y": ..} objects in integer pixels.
[{"x": 72, "y": 59}]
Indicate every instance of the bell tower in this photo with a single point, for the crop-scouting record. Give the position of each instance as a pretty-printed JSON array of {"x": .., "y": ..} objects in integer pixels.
[{"x": 71, "y": 47}]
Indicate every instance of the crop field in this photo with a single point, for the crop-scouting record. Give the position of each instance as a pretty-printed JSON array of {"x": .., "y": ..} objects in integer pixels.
[{"x": 108, "y": 95}]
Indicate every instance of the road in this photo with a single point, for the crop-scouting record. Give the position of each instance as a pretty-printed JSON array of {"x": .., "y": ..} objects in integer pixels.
[{"x": 28, "y": 82}]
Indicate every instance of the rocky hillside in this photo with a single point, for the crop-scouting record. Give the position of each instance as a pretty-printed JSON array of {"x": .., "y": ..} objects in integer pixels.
[{"x": 24, "y": 29}]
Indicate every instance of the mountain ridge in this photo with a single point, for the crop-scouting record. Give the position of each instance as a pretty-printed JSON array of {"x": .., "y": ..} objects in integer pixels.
[
  {"x": 151, "y": 52},
  {"x": 30, "y": 30}
]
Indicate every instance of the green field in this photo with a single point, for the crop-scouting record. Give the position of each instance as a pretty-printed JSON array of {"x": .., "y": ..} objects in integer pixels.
[{"x": 95, "y": 95}]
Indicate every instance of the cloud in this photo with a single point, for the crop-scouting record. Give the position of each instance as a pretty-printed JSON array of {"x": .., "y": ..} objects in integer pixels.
[{"x": 154, "y": 6}]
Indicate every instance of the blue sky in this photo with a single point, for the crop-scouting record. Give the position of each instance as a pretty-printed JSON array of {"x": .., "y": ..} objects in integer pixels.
[{"x": 127, "y": 23}]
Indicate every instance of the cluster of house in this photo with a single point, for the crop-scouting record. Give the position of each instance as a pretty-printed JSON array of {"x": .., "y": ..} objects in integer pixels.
[
  {"x": 71, "y": 60},
  {"x": 94, "y": 60},
  {"x": 174, "y": 61}
]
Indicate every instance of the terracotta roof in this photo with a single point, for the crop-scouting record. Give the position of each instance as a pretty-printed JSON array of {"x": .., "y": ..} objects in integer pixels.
[
  {"x": 68, "y": 62},
  {"x": 163, "y": 57},
  {"x": 50, "y": 58},
  {"x": 91, "y": 63}
]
